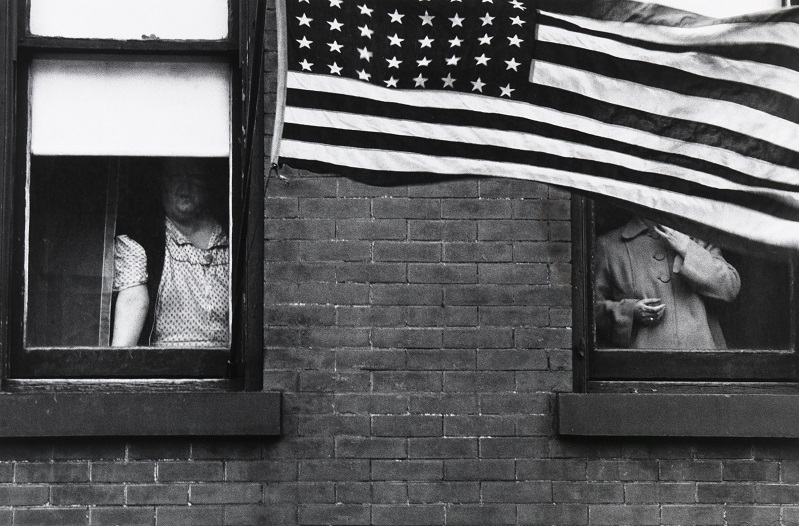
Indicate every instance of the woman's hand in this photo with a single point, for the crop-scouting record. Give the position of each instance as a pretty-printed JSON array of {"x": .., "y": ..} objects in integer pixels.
[
  {"x": 649, "y": 311},
  {"x": 677, "y": 240}
]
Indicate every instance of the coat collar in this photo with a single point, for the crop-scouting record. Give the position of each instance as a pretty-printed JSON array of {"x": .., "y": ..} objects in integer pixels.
[{"x": 634, "y": 228}]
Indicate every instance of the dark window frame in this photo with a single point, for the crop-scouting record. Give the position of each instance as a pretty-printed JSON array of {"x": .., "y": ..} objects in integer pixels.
[{"x": 242, "y": 367}]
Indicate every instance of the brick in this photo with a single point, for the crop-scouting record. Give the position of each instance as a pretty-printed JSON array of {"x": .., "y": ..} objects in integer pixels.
[
  {"x": 304, "y": 187},
  {"x": 123, "y": 471},
  {"x": 299, "y": 272},
  {"x": 445, "y": 186},
  {"x": 354, "y": 492},
  {"x": 534, "y": 425},
  {"x": 371, "y": 316},
  {"x": 81, "y": 449},
  {"x": 790, "y": 471},
  {"x": 698, "y": 470},
  {"x": 776, "y": 493},
  {"x": 333, "y": 470},
  {"x": 575, "y": 448},
  {"x": 337, "y": 293},
  {"x": 299, "y": 229},
  {"x": 552, "y": 514},
  {"x": 427, "y": 230},
  {"x": 498, "y": 187},
  {"x": 444, "y": 273},
  {"x": 513, "y": 274},
  {"x": 332, "y": 337},
  {"x": 507, "y": 447},
  {"x": 560, "y": 231},
  {"x": 445, "y": 447},
  {"x": 334, "y": 381},
  {"x": 479, "y": 425},
  {"x": 395, "y": 470},
  {"x": 414, "y": 381},
  {"x": 514, "y": 230},
  {"x": 440, "y": 359},
  {"x": 307, "y": 403},
  {"x": 507, "y": 403},
  {"x": 283, "y": 251},
  {"x": 156, "y": 494},
  {"x": 516, "y": 492},
  {"x": 372, "y": 273},
  {"x": 122, "y": 517},
  {"x": 260, "y": 515},
  {"x": 482, "y": 252},
  {"x": 588, "y": 492},
  {"x": 442, "y": 316},
  {"x": 299, "y": 447},
  {"x": 481, "y": 294},
  {"x": 476, "y": 209},
  {"x": 371, "y": 229},
  {"x": 338, "y": 425},
  {"x": 474, "y": 469},
  {"x": 193, "y": 471},
  {"x": 446, "y": 492},
  {"x": 351, "y": 188},
  {"x": 24, "y": 495},
  {"x": 515, "y": 316},
  {"x": 406, "y": 208},
  {"x": 294, "y": 358},
  {"x": 334, "y": 514},
  {"x": 335, "y": 250},
  {"x": 193, "y": 516},
  {"x": 748, "y": 514},
  {"x": 660, "y": 492},
  {"x": 7, "y": 470},
  {"x": 389, "y": 493},
  {"x": 334, "y": 208},
  {"x": 32, "y": 472},
  {"x": 684, "y": 515},
  {"x": 542, "y": 209},
  {"x": 408, "y": 515},
  {"x": 620, "y": 515},
  {"x": 551, "y": 469},
  {"x": 407, "y": 425},
  {"x": 412, "y": 251},
  {"x": 51, "y": 517},
  {"x": 354, "y": 447},
  {"x": 752, "y": 470},
  {"x": 544, "y": 338},
  {"x": 281, "y": 207},
  {"x": 453, "y": 403},
  {"x": 481, "y": 381},
  {"x": 405, "y": 295},
  {"x": 480, "y": 515},
  {"x": 225, "y": 493},
  {"x": 485, "y": 338},
  {"x": 725, "y": 492},
  {"x": 95, "y": 494},
  {"x": 551, "y": 295},
  {"x": 633, "y": 470},
  {"x": 511, "y": 360},
  {"x": 371, "y": 403},
  {"x": 544, "y": 381}
]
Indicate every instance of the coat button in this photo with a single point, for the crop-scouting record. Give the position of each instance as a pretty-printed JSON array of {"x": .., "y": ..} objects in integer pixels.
[
  {"x": 660, "y": 256},
  {"x": 664, "y": 278}
]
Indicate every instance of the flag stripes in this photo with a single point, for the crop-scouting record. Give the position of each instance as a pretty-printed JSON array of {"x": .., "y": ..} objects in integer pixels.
[{"x": 644, "y": 113}]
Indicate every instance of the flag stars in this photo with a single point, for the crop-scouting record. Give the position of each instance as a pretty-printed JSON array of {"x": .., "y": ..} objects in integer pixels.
[
  {"x": 426, "y": 42},
  {"x": 427, "y": 18},
  {"x": 365, "y": 31},
  {"x": 487, "y": 20},
  {"x": 335, "y": 47},
  {"x": 478, "y": 85},
  {"x": 396, "y": 40},
  {"x": 448, "y": 81},
  {"x": 305, "y": 43},
  {"x": 363, "y": 75},
  {"x": 457, "y": 20},
  {"x": 482, "y": 60},
  {"x": 423, "y": 62},
  {"x": 516, "y": 21},
  {"x": 304, "y": 20},
  {"x": 335, "y": 25},
  {"x": 393, "y": 62},
  {"x": 512, "y": 64},
  {"x": 335, "y": 69},
  {"x": 453, "y": 60},
  {"x": 365, "y": 10},
  {"x": 365, "y": 54},
  {"x": 391, "y": 82},
  {"x": 515, "y": 41},
  {"x": 419, "y": 81},
  {"x": 335, "y": 3},
  {"x": 485, "y": 40},
  {"x": 306, "y": 66},
  {"x": 455, "y": 42},
  {"x": 506, "y": 91},
  {"x": 396, "y": 17},
  {"x": 518, "y": 5}
]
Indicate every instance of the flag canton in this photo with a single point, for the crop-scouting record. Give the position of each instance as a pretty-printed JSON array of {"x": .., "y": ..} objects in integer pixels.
[{"x": 473, "y": 46}]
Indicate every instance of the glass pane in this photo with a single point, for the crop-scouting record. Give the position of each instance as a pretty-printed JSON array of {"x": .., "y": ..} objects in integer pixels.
[
  {"x": 128, "y": 251},
  {"x": 721, "y": 8},
  {"x": 130, "y": 19},
  {"x": 649, "y": 296},
  {"x": 137, "y": 107}
]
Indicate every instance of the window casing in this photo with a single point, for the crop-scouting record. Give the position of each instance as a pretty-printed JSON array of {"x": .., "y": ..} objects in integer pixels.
[{"x": 33, "y": 162}]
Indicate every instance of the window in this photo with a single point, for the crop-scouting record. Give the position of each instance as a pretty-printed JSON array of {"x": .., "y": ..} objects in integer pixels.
[{"x": 106, "y": 106}]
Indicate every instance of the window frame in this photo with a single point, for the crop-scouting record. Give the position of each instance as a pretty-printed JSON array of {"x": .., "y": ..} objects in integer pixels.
[{"x": 240, "y": 368}]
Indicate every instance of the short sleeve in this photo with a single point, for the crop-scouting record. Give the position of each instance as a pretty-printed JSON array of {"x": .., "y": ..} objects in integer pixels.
[{"x": 130, "y": 264}]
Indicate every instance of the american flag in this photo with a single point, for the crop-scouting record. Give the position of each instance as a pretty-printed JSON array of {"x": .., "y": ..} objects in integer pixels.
[{"x": 690, "y": 118}]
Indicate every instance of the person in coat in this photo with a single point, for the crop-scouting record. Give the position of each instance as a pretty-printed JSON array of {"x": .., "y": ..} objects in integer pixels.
[{"x": 652, "y": 284}]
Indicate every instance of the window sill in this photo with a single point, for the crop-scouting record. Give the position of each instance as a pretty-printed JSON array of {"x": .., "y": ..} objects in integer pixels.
[
  {"x": 683, "y": 415},
  {"x": 139, "y": 414}
]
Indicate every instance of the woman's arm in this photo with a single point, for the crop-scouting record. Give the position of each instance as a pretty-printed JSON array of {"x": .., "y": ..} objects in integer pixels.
[{"x": 130, "y": 313}]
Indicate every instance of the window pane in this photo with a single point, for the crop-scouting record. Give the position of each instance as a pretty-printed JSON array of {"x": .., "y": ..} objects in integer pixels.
[
  {"x": 101, "y": 227},
  {"x": 721, "y": 8},
  {"x": 173, "y": 107},
  {"x": 708, "y": 299},
  {"x": 130, "y": 19}
]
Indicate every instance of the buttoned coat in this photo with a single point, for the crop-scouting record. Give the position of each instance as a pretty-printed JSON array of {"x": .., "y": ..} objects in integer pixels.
[{"x": 634, "y": 262}]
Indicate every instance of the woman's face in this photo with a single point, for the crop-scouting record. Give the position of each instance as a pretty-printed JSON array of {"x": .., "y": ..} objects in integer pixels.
[{"x": 184, "y": 195}]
